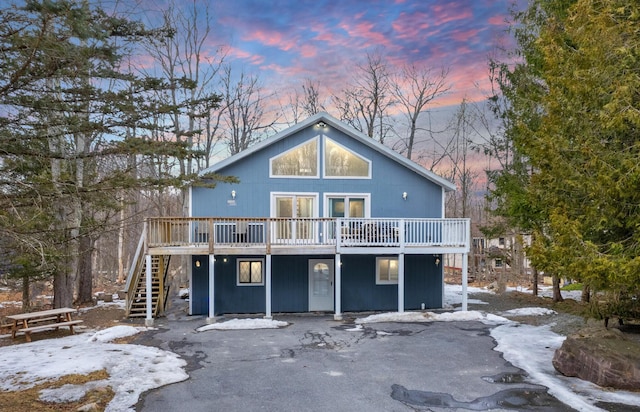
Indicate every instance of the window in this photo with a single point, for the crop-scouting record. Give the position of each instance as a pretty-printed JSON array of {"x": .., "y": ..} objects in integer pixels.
[
  {"x": 340, "y": 162},
  {"x": 287, "y": 205},
  {"x": 347, "y": 205},
  {"x": 498, "y": 263},
  {"x": 301, "y": 161},
  {"x": 250, "y": 272},
  {"x": 386, "y": 271},
  {"x": 501, "y": 241}
]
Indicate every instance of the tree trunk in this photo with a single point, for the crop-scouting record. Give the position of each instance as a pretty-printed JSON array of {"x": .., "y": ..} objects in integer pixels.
[
  {"x": 26, "y": 296},
  {"x": 121, "y": 275},
  {"x": 62, "y": 290},
  {"x": 586, "y": 293},
  {"x": 85, "y": 271},
  {"x": 535, "y": 281},
  {"x": 557, "y": 296}
]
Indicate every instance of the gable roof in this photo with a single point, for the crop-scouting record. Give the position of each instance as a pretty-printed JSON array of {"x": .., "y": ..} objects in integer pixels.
[{"x": 348, "y": 130}]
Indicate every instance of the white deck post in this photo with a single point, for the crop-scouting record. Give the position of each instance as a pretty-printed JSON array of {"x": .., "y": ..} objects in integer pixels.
[
  {"x": 338, "y": 289},
  {"x": 401, "y": 282},
  {"x": 149, "y": 319},
  {"x": 212, "y": 289},
  {"x": 465, "y": 265},
  {"x": 267, "y": 287}
]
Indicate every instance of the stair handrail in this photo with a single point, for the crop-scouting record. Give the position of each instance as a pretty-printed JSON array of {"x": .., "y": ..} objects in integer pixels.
[{"x": 135, "y": 269}]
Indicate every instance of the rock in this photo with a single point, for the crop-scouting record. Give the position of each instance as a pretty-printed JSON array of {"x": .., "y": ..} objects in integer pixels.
[{"x": 602, "y": 356}]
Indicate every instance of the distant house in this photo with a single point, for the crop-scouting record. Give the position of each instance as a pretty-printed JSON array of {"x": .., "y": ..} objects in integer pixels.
[{"x": 324, "y": 219}]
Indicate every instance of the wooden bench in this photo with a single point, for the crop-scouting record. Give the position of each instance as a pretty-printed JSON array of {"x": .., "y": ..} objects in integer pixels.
[
  {"x": 56, "y": 325},
  {"x": 46, "y": 319}
]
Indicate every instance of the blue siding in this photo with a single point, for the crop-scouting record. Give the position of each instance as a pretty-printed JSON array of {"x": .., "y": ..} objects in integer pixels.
[
  {"x": 230, "y": 298},
  {"x": 423, "y": 282},
  {"x": 290, "y": 283},
  {"x": 359, "y": 289},
  {"x": 290, "y": 286},
  {"x": 199, "y": 286},
  {"x": 389, "y": 180}
]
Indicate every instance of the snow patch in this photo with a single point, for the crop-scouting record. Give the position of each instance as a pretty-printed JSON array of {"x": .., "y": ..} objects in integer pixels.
[{"x": 244, "y": 324}]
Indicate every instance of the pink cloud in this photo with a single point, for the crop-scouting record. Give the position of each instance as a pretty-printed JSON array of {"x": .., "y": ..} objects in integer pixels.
[
  {"x": 245, "y": 55},
  {"x": 308, "y": 51},
  {"x": 409, "y": 25},
  {"x": 271, "y": 38},
  {"x": 365, "y": 31},
  {"x": 450, "y": 12},
  {"x": 497, "y": 20},
  {"x": 464, "y": 36}
]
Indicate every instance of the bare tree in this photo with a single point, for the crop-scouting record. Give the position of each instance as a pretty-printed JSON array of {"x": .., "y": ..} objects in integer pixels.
[
  {"x": 365, "y": 103},
  {"x": 191, "y": 71},
  {"x": 245, "y": 113},
  {"x": 413, "y": 89}
]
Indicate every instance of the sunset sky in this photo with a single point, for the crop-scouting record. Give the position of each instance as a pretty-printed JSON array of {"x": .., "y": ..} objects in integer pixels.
[{"x": 287, "y": 41}]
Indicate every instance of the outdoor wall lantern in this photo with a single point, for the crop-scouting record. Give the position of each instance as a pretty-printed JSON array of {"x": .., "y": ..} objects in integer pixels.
[
  {"x": 197, "y": 263},
  {"x": 233, "y": 194},
  {"x": 437, "y": 261},
  {"x": 404, "y": 195}
]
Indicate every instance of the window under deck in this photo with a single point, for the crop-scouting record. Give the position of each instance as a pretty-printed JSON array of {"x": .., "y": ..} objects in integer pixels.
[{"x": 308, "y": 236}]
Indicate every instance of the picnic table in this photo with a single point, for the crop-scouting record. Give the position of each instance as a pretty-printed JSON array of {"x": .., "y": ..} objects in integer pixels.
[{"x": 42, "y": 320}]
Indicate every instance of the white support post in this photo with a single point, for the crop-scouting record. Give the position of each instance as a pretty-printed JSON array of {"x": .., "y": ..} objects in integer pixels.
[
  {"x": 212, "y": 289},
  {"x": 465, "y": 265},
  {"x": 149, "y": 298},
  {"x": 401, "y": 282},
  {"x": 338, "y": 289},
  {"x": 267, "y": 287}
]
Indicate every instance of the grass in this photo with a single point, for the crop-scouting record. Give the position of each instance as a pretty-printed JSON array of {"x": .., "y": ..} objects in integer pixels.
[
  {"x": 572, "y": 286},
  {"x": 27, "y": 400}
]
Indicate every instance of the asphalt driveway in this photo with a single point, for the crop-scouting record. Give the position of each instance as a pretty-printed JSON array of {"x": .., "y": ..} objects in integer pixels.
[{"x": 318, "y": 364}]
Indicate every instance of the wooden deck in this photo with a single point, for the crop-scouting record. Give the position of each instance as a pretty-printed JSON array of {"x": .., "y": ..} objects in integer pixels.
[{"x": 309, "y": 236}]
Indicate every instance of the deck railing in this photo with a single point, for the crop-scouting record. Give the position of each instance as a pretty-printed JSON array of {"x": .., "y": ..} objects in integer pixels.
[{"x": 343, "y": 232}]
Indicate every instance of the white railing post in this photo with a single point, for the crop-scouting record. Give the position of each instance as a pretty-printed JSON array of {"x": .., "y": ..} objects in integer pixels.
[
  {"x": 401, "y": 282},
  {"x": 338, "y": 289},
  {"x": 149, "y": 319},
  {"x": 267, "y": 287},
  {"x": 212, "y": 289}
]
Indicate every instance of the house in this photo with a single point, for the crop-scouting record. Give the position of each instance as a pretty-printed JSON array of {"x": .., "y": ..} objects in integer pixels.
[{"x": 323, "y": 218}]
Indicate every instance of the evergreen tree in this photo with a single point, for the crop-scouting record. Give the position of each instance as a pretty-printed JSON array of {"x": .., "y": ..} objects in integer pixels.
[
  {"x": 573, "y": 117},
  {"x": 67, "y": 107}
]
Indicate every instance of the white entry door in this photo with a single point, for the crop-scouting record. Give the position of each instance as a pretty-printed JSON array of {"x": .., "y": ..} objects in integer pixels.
[{"x": 321, "y": 285}]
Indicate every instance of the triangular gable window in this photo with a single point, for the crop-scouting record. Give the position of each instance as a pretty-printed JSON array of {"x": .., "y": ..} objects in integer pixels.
[
  {"x": 301, "y": 161},
  {"x": 340, "y": 162}
]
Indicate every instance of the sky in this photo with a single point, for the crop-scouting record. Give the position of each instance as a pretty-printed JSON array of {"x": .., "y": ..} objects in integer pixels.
[
  {"x": 142, "y": 368},
  {"x": 288, "y": 41}
]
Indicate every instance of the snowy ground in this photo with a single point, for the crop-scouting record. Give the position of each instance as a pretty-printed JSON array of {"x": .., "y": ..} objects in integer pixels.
[{"x": 134, "y": 369}]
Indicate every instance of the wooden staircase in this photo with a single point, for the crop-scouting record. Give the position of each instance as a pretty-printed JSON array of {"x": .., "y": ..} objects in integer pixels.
[{"x": 137, "y": 285}]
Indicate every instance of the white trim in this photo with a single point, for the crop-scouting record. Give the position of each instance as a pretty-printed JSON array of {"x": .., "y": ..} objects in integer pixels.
[
  {"x": 149, "y": 317},
  {"x": 401, "y": 283},
  {"x": 262, "y": 268},
  {"x": 338, "y": 290},
  {"x": 212, "y": 288},
  {"x": 465, "y": 281},
  {"x": 354, "y": 153},
  {"x": 267, "y": 288},
  {"x": 343, "y": 195},
  {"x": 386, "y": 282},
  {"x": 318, "y": 160}
]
